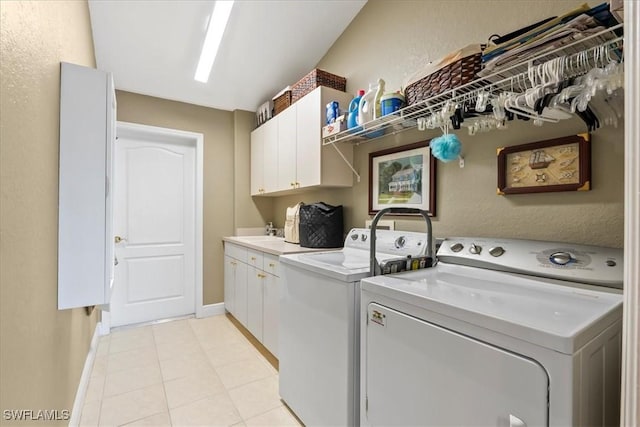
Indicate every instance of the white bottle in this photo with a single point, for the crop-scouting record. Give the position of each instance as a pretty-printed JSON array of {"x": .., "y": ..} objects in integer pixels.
[
  {"x": 366, "y": 109},
  {"x": 378, "y": 110}
]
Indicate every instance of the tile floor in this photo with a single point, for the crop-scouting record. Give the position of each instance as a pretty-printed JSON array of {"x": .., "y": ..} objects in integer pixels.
[{"x": 185, "y": 372}]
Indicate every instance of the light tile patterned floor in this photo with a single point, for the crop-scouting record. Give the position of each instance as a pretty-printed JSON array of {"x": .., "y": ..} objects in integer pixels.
[{"x": 189, "y": 372}]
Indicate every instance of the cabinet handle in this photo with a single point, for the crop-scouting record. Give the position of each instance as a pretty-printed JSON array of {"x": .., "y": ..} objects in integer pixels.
[
  {"x": 261, "y": 276},
  {"x": 293, "y": 184},
  {"x": 297, "y": 185},
  {"x": 233, "y": 263},
  {"x": 253, "y": 258},
  {"x": 271, "y": 264}
]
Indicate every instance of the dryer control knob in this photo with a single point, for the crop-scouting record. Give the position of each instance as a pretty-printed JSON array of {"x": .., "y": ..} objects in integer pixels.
[
  {"x": 497, "y": 251},
  {"x": 475, "y": 249},
  {"x": 354, "y": 236},
  {"x": 457, "y": 247},
  {"x": 560, "y": 258},
  {"x": 400, "y": 241},
  {"x": 363, "y": 237}
]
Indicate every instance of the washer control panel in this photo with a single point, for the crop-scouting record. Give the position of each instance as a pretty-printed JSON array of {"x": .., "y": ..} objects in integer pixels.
[
  {"x": 577, "y": 263},
  {"x": 395, "y": 242}
]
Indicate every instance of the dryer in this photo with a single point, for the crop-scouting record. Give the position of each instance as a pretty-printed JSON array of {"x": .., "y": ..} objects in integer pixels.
[{"x": 501, "y": 332}]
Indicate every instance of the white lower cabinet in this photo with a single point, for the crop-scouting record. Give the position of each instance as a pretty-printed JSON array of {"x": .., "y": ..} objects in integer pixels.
[
  {"x": 271, "y": 312},
  {"x": 255, "y": 284},
  {"x": 251, "y": 292}
]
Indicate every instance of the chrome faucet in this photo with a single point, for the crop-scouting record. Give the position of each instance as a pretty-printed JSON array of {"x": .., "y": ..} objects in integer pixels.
[
  {"x": 374, "y": 267},
  {"x": 270, "y": 229}
]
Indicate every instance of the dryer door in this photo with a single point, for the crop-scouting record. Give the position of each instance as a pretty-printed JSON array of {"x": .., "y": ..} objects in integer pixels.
[{"x": 418, "y": 373}]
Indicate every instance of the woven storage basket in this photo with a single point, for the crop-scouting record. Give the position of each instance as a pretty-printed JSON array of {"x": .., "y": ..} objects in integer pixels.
[
  {"x": 448, "y": 77},
  {"x": 282, "y": 102},
  {"x": 314, "y": 79}
]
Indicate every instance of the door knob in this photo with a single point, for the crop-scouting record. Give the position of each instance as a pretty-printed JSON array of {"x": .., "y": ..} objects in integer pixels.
[{"x": 119, "y": 239}]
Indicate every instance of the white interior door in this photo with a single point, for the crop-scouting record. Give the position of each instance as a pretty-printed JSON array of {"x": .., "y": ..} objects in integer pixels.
[{"x": 155, "y": 217}]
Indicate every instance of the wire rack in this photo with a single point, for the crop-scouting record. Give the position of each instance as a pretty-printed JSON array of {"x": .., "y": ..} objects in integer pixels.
[{"x": 508, "y": 78}]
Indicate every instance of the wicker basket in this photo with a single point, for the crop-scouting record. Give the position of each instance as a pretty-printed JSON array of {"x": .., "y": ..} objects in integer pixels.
[
  {"x": 449, "y": 77},
  {"x": 314, "y": 79},
  {"x": 282, "y": 102}
]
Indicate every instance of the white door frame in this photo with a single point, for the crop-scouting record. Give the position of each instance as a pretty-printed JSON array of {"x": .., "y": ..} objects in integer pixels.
[
  {"x": 631, "y": 319},
  {"x": 134, "y": 130}
]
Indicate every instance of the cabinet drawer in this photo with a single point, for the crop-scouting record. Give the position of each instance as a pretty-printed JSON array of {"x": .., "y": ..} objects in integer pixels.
[
  {"x": 235, "y": 251},
  {"x": 255, "y": 258},
  {"x": 272, "y": 264}
]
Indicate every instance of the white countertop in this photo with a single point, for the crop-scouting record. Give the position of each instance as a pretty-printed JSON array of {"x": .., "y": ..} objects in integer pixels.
[{"x": 269, "y": 244}]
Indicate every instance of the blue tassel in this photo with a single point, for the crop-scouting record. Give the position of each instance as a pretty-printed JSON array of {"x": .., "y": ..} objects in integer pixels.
[{"x": 446, "y": 147}]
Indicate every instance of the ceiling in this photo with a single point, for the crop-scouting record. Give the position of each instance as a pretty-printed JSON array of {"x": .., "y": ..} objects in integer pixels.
[{"x": 153, "y": 47}]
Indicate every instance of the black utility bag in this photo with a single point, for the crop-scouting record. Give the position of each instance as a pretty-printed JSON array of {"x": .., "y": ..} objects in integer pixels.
[{"x": 321, "y": 226}]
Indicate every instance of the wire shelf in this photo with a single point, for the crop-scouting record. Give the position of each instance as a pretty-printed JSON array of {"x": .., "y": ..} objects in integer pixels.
[{"x": 508, "y": 78}]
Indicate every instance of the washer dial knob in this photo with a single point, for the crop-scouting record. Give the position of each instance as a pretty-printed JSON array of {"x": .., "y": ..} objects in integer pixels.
[
  {"x": 560, "y": 258},
  {"x": 363, "y": 237},
  {"x": 475, "y": 249},
  {"x": 354, "y": 236},
  {"x": 400, "y": 241},
  {"x": 457, "y": 247},
  {"x": 496, "y": 251}
]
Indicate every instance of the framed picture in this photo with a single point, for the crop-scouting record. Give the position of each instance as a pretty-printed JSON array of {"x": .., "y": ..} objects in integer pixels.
[
  {"x": 561, "y": 164},
  {"x": 403, "y": 177}
]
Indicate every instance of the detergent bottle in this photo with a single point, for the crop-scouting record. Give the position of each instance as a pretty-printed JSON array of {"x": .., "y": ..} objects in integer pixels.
[
  {"x": 367, "y": 106},
  {"x": 352, "y": 118},
  {"x": 378, "y": 110}
]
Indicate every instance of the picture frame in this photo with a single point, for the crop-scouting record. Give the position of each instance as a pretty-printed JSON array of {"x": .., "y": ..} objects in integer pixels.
[
  {"x": 389, "y": 186},
  {"x": 560, "y": 164}
]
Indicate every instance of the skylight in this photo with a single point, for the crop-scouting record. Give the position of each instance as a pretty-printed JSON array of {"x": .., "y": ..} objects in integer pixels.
[{"x": 215, "y": 31}]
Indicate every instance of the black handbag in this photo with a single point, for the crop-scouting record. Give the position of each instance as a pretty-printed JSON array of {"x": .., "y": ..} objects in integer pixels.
[{"x": 321, "y": 226}]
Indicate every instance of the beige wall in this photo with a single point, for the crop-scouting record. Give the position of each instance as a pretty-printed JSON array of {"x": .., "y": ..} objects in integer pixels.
[
  {"x": 390, "y": 40},
  {"x": 248, "y": 211},
  {"x": 217, "y": 126},
  {"x": 42, "y": 350}
]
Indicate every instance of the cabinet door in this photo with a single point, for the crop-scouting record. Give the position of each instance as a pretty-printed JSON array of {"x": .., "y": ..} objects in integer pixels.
[
  {"x": 85, "y": 239},
  {"x": 257, "y": 164},
  {"x": 287, "y": 135},
  {"x": 271, "y": 313},
  {"x": 255, "y": 280},
  {"x": 230, "y": 269},
  {"x": 308, "y": 149},
  {"x": 270, "y": 155},
  {"x": 240, "y": 285}
]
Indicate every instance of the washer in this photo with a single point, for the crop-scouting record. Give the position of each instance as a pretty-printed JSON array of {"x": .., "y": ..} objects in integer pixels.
[
  {"x": 499, "y": 333},
  {"x": 319, "y": 324}
]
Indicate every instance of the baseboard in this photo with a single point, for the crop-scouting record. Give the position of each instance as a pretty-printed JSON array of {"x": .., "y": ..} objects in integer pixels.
[
  {"x": 105, "y": 323},
  {"x": 210, "y": 310},
  {"x": 78, "y": 403}
]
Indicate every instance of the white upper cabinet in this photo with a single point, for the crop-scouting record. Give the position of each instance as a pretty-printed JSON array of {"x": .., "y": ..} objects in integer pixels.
[
  {"x": 302, "y": 160},
  {"x": 85, "y": 206},
  {"x": 264, "y": 158},
  {"x": 287, "y": 136}
]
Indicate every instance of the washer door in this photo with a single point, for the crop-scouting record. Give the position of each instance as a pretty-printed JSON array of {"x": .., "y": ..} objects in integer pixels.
[{"x": 420, "y": 374}]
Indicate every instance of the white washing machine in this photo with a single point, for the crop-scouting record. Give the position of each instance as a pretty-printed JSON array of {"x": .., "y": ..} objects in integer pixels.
[
  {"x": 319, "y": 323},
  {"x": 498, "y": 333}
]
